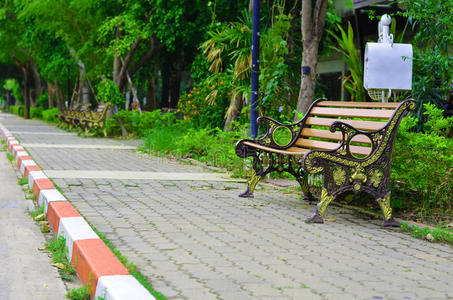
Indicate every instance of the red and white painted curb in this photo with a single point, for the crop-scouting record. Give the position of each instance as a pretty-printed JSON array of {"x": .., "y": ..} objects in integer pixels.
[{"x": 93, "y": 261}]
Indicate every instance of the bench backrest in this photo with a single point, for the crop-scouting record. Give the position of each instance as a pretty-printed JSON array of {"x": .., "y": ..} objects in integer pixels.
[{"x": 365, "y": 116}]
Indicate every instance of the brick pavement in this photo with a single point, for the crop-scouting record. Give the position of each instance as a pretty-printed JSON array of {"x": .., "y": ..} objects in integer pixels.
[{"x": 198, "y": 240}]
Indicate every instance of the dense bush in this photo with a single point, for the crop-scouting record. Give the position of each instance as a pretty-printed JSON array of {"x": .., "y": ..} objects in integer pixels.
[
  {"x": 422, "y": 168},
  {"x": 138, "y": 124},
  {"x": 206, "y": 103},
  {"x": 211, "y": 146},
  {"x": 48, "y": 115},
  {"x": 36, "y": 112},
  {"x": 17, "y": 110}
]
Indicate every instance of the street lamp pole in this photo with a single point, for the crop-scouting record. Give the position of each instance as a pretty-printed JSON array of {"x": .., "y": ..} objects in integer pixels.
[{"x": 255, "y": 68}]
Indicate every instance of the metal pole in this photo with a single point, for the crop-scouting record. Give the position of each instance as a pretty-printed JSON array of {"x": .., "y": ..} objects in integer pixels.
[{"x": 255, "y": 68}]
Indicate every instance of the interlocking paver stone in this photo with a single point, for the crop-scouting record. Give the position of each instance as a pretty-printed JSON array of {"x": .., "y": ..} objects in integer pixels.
[{"x": 198, "y": 240}]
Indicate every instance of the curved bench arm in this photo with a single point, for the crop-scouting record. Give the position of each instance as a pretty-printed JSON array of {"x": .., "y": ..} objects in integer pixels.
[
  {"x": 381, "y": 140},
  {"x": 271, "y": 125}
]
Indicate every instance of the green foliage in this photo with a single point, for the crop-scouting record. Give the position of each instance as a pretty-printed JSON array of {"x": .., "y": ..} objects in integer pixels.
[
  {"x": 139, "y": 124},
  {"x": 436, "y": 123},
  {"x": 36, "y": 112},
  {"x": 211, "y": 146},
  {"x": 206, "y": 103},
  {"x": 422, "y": 170},
  {"x": 436, "y": 234},
  {"x": 23, "y": 181},
  {"x": 228, "y": 50},
  {"x": 10, "y": 157},
  {"x": 432, "y": 62},
  {"x": 17, "y": 110},
  {"x": 37, "y": 213},
  {"x": 354, "y": 82},
  {"x": 59, "y": 251},
  {"x": 48, "y": 115},
  {"x": 42, "y": 100},
  {"x": 108, "y": 91},
  {"x": 12, "y": 85},
  {"x": 81, "y": 293}
]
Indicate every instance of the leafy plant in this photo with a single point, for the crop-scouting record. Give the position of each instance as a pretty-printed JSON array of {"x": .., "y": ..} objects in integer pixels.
[
  {"x": 36, "y": 112},
  {"x": 12, "y": 85},
  {"x": 354, "y": 82},
  {"x": 108, "y": 91},
  {"x": 59, "y": 251},
  {"x": 432, "y": 63},
  {"x": 422, "y": 168},
  {"x": 81, "y": 293},
  {"x": 49, "y": 115},
  {"x": 435, "y": 235},
  {"x": 436, "y": 122}
]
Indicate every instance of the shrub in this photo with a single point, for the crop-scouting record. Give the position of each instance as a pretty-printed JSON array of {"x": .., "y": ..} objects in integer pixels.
[
  {"x": 139, "y": 124},
  {"x": 36, "y": 112},
  {"x": 207, "y": 102},
  {"x": 211, "y": 146},
  {"x": 422, "y": 171},
  {"x": 17, "y": 110},
  {"x": 48, "y": 115}
]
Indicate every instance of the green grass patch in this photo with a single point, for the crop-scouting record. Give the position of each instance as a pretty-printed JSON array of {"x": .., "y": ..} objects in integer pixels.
[
  {"x": 59, "y": 251},
  {"x": 38, "y": 214},
  {"x": 439, "y": 234},
  {"x": 23, "y": 181},
  {"x": 81, "y": 293},
  {"x": 10, "y": 157}
]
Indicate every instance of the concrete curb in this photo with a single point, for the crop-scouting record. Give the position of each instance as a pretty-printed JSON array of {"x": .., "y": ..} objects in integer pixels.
[{"x": 93, "y": 261}]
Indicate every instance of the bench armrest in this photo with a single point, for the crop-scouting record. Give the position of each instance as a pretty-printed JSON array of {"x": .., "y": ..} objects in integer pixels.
[
  {"x": 271, "y": 126},
  {"x": 342, "y": 154}
]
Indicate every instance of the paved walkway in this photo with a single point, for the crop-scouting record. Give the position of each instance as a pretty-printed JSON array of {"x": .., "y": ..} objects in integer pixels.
[
  {"x": 195, "y": 239},
  {"x": 26, "y": 273}
]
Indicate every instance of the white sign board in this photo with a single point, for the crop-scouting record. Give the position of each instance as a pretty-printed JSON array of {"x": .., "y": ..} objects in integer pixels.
[{"x": 388, "y": 66}]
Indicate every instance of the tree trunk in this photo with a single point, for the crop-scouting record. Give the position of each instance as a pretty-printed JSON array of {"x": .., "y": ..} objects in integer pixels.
[
  {"x": 37, "y": 85},
  {"x": 151, "y": 95},
  {"x": 50, "y": 95},
  {"x": 308, "y": 82},
  {"x": 175, "y": 87},
  {"x": 59, "y": 96},
  {"x": 312, "y": 27},
  {"x": 27, "y": 92},
  {"x": 234, "y": 110}
]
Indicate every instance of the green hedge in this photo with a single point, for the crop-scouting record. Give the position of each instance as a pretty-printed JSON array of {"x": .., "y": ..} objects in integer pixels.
[{"x": 36, "y": 113}]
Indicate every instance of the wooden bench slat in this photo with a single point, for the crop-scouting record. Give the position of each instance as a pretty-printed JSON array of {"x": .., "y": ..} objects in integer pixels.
[
  {"x": 289, "y": 151},
  {"x": 362, "y": 125},
  {"x": 321, "y": 145},
  {"x": 392, "y": 105},
  {"x": 337, "y": 136},
  {"x": 351, "y": 112}
]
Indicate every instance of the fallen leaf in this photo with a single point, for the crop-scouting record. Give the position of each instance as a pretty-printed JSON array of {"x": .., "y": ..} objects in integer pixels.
[
  {"x": 39, "y": 217},
  {"x": 331, "y": 220},
  {"x": 59, "y": 265}
]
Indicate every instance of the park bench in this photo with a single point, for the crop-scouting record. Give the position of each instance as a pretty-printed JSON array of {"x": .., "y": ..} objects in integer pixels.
[
  {"x": 94, "y": 119},
  {"x": 351, "y": 143},
  {"x": 68, "y": 115}
]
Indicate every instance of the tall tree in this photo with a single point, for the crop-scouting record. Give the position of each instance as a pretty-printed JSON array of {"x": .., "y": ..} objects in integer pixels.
[{"x": 312, "y": 27}]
